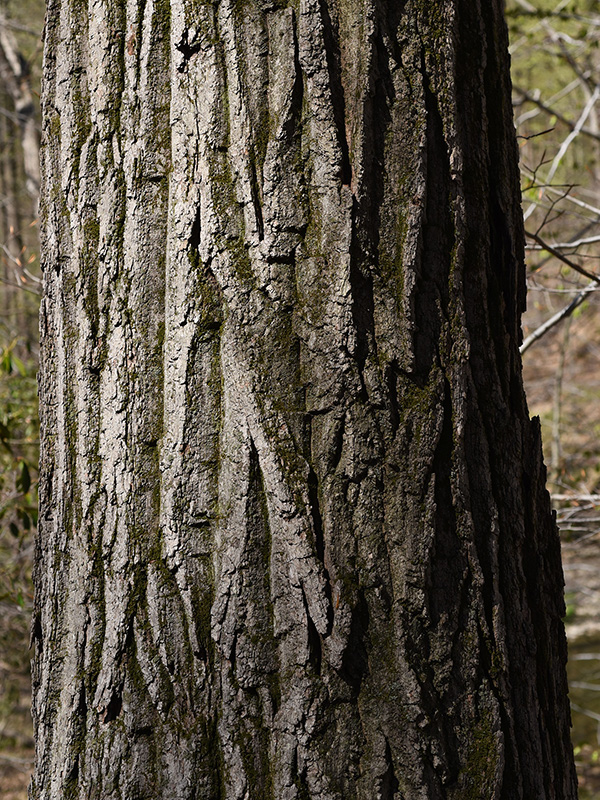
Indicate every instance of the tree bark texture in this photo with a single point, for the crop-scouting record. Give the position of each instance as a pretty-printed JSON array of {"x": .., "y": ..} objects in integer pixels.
[{"x": 294, "y": 537}]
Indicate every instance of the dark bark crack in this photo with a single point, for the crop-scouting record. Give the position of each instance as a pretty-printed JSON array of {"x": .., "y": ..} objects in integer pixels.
[
  {"x": 187, "y": 49},
  {"x": 332, "y": 52},
  {"x": 434, "y": 266},
  {"x": 355, "y": 661},
  {"x": 314, "y": 643},
  {"x": 389, "y": 783},
  {"x": 363, "y": 304},
  {"x": 113, "y": 709},
  {"x": 317, "y": 520}
]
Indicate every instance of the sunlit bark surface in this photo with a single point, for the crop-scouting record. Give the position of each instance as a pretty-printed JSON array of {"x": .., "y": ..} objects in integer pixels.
[{"x": 294, "y": 541}]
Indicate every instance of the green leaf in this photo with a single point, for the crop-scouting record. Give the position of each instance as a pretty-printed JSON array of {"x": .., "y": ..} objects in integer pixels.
[
  {"x": 4, "y": 436},
  {"x": 19, "y": 365},
  {"x": 24, "y": 478},
  {"x": 6, "y": 363}
]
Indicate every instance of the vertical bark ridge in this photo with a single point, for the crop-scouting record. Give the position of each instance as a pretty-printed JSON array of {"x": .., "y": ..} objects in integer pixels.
[
  {"x": 107, "y": 160},
  {"x": 293, "y": 501}
]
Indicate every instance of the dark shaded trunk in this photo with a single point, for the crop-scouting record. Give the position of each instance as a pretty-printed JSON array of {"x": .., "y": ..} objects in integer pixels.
[{"x": 294, "y": 537}]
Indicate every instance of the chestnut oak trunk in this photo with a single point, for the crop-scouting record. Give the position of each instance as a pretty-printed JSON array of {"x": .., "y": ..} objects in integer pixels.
[{"x": 294, "y": 537}]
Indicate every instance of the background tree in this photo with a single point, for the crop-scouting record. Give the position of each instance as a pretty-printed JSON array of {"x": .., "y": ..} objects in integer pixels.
[
  {"x": 19, "y": 182},
  {"x": 294, "y": 540}
]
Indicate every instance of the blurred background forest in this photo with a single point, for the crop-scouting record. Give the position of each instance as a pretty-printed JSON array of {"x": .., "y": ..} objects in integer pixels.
[
  {"x": 555, "y": 48},
  {"x": 21, "y": 23}
]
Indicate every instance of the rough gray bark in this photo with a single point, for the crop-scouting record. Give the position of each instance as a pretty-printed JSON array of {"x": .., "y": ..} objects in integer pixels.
[{"x": 294, "y": 538}]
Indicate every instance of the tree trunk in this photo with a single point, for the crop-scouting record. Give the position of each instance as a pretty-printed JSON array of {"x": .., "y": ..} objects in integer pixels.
[
  {"x": 19, "y": 190},
  {"x": 14, "y": 72},
  {"x": 294, "y": 537},
  {"x": 10, "y": 225}
]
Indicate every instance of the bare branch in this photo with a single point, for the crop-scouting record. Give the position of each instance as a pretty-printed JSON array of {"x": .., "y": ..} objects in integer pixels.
[
  {"x": 557, "y": 254},
  {"x": 553, "y": 112},
  {"x": 567, "y": 142},
  {"x": 560, "y": 315},
  {"x": 575, "y": 200},
  {"x": 17, "y": 26},
  {"x": 527, "y": 10},
  {"x": 567, "y": 245}
]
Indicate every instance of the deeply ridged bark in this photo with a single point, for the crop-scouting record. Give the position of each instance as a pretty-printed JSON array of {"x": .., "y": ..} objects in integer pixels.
[{"x": 294, "y": 538}]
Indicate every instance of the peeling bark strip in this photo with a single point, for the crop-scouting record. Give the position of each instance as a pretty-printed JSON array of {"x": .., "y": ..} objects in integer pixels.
[{"x": 294, "y": 541}]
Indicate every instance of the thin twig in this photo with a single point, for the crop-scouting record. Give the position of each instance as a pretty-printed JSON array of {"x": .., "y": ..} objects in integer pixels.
[
  {"x": 557, "y": 254},
  {"x": 575, "y": 498},
  {"x": 591, "y": 687},
  {"x": 554, "y": 113},
  {"x": 567, "y": 245},
  {"x": 20, "y": 764},
  {"x": 575, "y": 200},
  {"x": 560, "y": 315},
  {"x": 528, "y": 10},
  {"x": 567, "y": 143},
  {"x": 585, "y": 657}
]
